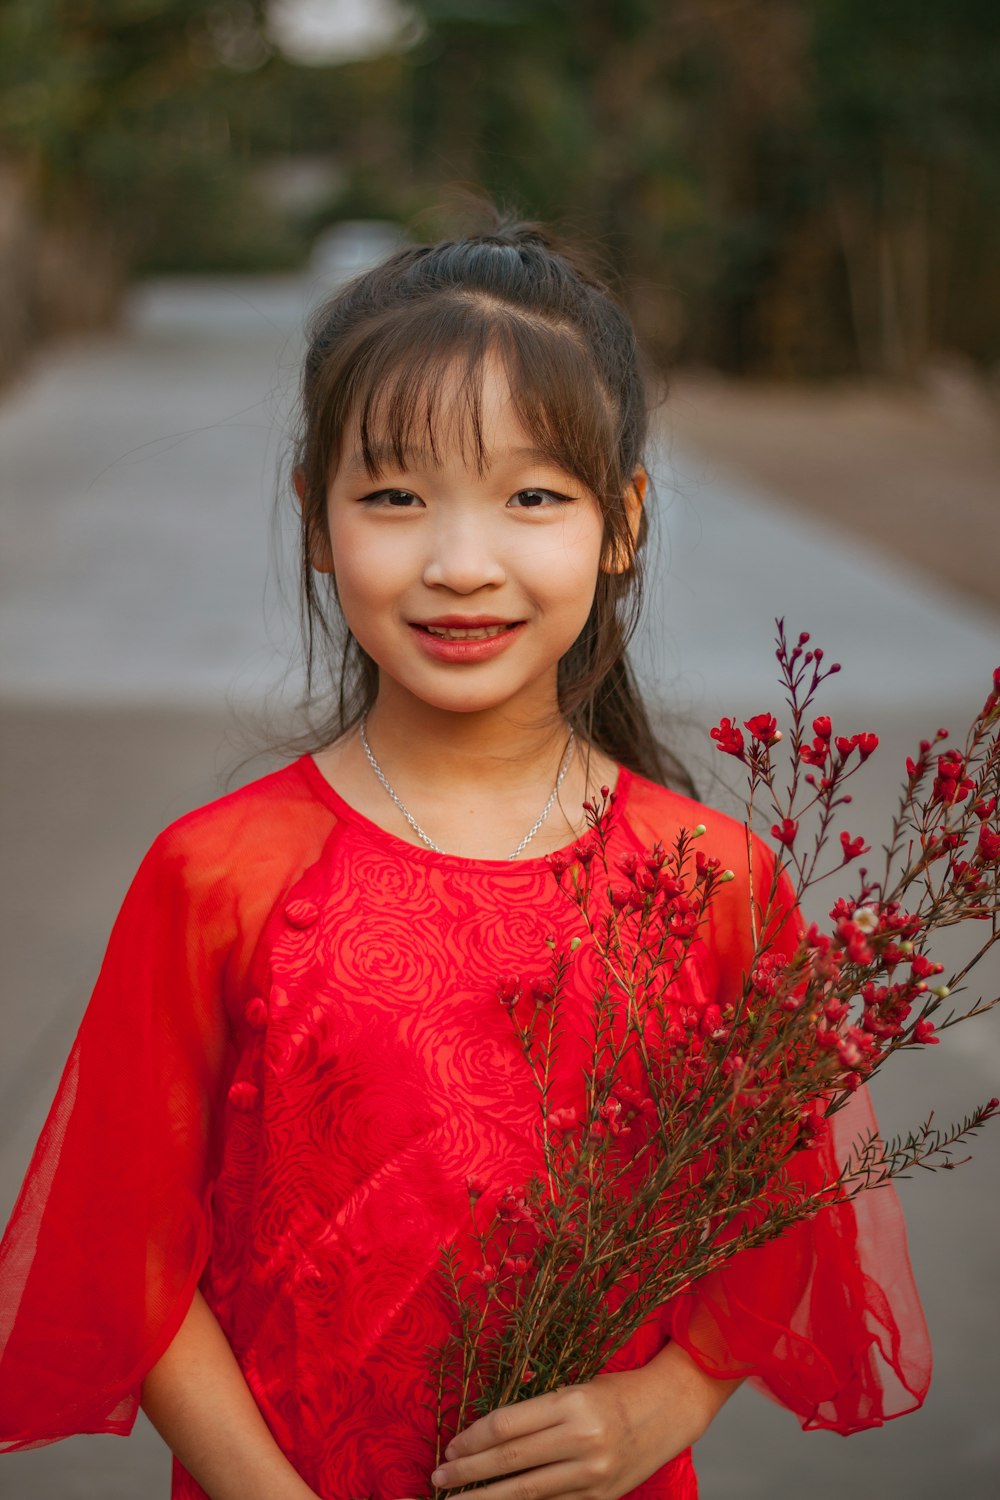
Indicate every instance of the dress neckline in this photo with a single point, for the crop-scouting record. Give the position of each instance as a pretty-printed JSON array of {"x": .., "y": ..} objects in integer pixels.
[{"x": 402, "y": 847}]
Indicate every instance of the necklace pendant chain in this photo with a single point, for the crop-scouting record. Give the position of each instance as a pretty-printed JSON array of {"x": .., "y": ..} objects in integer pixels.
[{"x": 416, "y": 826}]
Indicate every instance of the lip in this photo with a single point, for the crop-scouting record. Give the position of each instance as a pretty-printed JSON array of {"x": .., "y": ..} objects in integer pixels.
[
  {"x": 465, "y": 622},
  {"x": 468, "y": 651}
]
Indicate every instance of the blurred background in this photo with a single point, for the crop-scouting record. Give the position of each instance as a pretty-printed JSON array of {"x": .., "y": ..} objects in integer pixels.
[{"x": 799, "y": 201}]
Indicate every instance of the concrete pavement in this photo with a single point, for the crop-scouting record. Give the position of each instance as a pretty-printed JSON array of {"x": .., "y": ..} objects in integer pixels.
[{"x": 145, "y": 626}]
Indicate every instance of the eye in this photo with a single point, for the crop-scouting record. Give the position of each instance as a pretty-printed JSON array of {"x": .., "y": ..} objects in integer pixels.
[
  {"x": 537, "y": 498},
  {"x": 397, "y": 499}
]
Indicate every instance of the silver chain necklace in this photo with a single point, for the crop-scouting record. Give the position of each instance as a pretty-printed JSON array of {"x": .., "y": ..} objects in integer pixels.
[{"x": 416, "y": 826}]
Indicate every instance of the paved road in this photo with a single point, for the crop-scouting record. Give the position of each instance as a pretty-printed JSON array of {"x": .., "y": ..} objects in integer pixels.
[{"x": 145, "y": 630}]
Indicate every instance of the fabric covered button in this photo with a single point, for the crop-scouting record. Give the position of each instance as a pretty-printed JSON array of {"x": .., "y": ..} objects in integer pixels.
[
  {"x": 300, "y": 912},
  {"x": 256, "y": 1013},
  {"x": 244, "y": 1095}
]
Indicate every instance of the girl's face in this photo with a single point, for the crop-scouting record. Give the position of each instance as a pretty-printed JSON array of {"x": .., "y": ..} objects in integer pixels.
[{"x": 520, "y": 541}]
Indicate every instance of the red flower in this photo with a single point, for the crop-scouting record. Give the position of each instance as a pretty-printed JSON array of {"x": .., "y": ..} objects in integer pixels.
[
  {"x": 853, "y": 847},
  {"x": 855, "y": 941},
  {"x": 684, "y": 924},
  {"x": 923, "y": 1033},
  {"x": 951, "y": 784},
  {"x": 853, "y": 1046},
  {"x": 763, "y": 727},
  {"x": 823, "y": 726},
  {"x": 610, "y": 1112},
  {"x": 711, "y": 1020},
  {"x": 965, "y": 875},
  {"x": 988, "y": 847},
  {"x": 816, "y": 753},
  {"x": 812, "y": 1123},
  {"x": 729, "y": 739},
  {"x": 785, "y": 831},
  {"x": 766, "y": 972},
  {"x": 867, "y": 745},
  {"x": 513, "y": 1209},
  {"x": 508, "y": 992}
]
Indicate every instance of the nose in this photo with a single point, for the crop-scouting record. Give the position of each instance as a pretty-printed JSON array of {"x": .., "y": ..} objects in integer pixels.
[{"x": 462, "y": 556}]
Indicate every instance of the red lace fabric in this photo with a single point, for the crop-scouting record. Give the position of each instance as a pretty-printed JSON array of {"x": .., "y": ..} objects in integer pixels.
[{"x": 292, "y": 1058}]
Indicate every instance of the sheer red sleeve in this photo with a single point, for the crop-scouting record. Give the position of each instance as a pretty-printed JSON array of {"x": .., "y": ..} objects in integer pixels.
[
  {"x": 111, "y": 1229},
  {"x": 826, "y": 1319}
]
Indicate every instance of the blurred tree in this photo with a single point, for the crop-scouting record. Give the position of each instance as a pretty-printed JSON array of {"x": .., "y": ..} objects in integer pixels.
[
  {"x": 797, "y": 186},
  {"x": 114, "y": 132},
  {"x": 905, "y": 133},
  {"x": 794, "y": 187}
]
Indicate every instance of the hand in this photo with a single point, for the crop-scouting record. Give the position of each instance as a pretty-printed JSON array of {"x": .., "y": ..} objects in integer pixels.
[{"x": 598, "y": 1440}]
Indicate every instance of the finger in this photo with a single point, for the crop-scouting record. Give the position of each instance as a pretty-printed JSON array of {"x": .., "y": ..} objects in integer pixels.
[
  {"x": 506, "y": 1422},
  {"x": 511, "y": 1456},
  {"x": 558, "y": 1481}
]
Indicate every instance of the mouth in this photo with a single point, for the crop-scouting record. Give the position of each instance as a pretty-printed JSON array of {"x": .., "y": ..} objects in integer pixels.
[
  {"x": 452, "y": 643},
  {"x": 479, "y": 633}
]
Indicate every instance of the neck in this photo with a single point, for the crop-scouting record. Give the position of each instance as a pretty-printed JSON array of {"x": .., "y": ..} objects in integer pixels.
[{"x": 449, "y": 756}]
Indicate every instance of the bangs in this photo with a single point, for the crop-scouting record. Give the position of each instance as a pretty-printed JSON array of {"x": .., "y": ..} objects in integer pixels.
[{"x": 416, "y": 385}]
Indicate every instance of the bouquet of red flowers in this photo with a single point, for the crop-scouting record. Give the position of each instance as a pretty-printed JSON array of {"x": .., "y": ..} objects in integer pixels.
[{"x": 696, "y": 1113}]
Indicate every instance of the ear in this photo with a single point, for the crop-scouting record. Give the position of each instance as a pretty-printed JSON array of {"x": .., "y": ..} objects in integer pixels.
[
  {"x": 634, "y": 497},
  {"x": 319, "y": 546}
]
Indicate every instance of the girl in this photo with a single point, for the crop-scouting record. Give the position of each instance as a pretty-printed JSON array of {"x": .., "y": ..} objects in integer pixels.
[{"x": 294, "y": 1057}]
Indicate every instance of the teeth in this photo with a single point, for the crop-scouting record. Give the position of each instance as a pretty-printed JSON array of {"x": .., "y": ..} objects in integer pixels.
[{"x": 466, "y": 635}]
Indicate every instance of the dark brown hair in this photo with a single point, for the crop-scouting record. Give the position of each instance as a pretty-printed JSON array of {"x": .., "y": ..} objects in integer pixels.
[{"x": 381, "y": 350}]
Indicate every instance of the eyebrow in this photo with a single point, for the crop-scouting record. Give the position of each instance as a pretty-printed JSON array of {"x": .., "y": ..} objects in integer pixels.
[{"x": 384, "y": 456}]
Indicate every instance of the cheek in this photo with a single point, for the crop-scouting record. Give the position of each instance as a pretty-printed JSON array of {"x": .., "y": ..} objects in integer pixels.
[
  {"x": 370, "y": 564},
  {"x": 562, "y": 562}
]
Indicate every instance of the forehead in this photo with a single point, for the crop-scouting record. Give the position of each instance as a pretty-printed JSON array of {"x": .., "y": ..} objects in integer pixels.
[
  {"x": 459, "y": 411},
  {"x": 496, "y": 456}
]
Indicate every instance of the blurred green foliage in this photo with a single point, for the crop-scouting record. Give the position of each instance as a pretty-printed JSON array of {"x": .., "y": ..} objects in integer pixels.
[
  {"x": 117, "y": 112},
  {"x": 793, "y": 187}
]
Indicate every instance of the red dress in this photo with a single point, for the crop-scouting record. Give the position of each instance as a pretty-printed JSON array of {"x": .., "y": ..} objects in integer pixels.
[{"x": 293, "y": 1057}]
